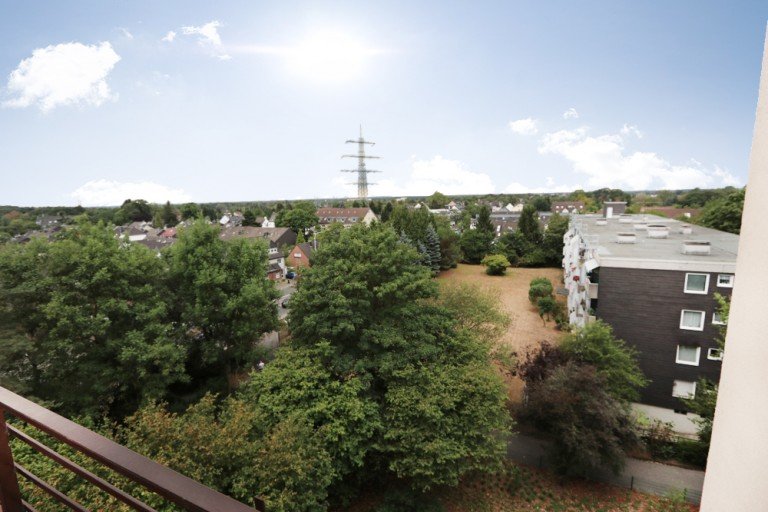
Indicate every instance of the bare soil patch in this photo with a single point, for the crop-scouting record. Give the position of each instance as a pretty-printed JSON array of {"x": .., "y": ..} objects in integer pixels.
[{"x": 526, "y": 329}]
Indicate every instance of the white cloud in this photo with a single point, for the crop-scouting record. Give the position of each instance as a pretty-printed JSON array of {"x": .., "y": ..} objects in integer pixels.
[
  {"x": 113, "y": 193},
  {"x": 64, "y": 74},
  {"x": 169, "y": 37},
  {"x": 125, "y": 32},
  {"x": 571, "y": 113},
  {"x": 549, "y": 187},
  {"x": 448, "y": 176},
  {"x": 606, "y": 162},
  {"x": 631, "y": 129},
  {"x": 208, "y": 36},
  {"x": 525, "y": 126}
]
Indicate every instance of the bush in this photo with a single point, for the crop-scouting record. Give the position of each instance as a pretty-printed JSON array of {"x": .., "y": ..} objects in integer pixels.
[
  {"x": 547, "y": 308},
  {"x": 495, "y": 264},
  {"x": 540, "y": 287}
]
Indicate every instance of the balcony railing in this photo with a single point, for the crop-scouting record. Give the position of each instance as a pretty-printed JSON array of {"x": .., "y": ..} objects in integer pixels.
[{"x": 165, "y": 482}]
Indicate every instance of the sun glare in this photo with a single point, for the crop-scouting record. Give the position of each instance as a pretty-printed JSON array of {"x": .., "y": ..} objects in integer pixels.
[{"x": 329, "y": 57}]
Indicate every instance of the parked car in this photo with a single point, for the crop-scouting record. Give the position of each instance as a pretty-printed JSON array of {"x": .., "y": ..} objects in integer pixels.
[{"x": 290, "y": 275}]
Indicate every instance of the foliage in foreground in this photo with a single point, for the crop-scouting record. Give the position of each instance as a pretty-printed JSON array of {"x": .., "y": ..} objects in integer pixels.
[
  {"x": 579, "y": 394},
  {"x": 378, "y": 383}
]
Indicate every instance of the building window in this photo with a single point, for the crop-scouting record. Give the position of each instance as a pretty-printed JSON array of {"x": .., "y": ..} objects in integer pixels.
[
  {"x": 717, "y": 318},
  {"x": 684, "y": 389},
  {"x": 696, "y": 283},
  {"x": 687, "y": 354},
  {"x": 692, "y": 320},
  {"x": 725, "y": 280},
  {"x": 297, "y": 255},
  {"x": 714, "y": 354}
]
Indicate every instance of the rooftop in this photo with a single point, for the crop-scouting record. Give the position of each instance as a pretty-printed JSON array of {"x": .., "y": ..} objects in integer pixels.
[{"x": 656, "y": 253}]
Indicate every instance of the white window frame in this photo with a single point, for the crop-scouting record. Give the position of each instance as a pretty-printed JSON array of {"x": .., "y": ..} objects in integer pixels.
[
  {"x": 701, "y": 323},
  {"x": 692, "y": 395},
  {"x": 697, "y": 292},
  {"x": 715, "y": 321},
  {"x": 297, "y": 255},
  {"x": 730, "y": 280},
  {"x": 710, "y": 351},
  {"x": 689, "y": 363}
]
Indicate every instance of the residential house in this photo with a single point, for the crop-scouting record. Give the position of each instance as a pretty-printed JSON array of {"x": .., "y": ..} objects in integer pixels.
[
  {"x": 280, "y": 236},
  {"x": 567, "y": 207},
  {"x": 301, "y": 254},
  {"x": 653, "y": 281},
  {"x": 346, "y": 216},
  {"x": 48, "y": 221}
]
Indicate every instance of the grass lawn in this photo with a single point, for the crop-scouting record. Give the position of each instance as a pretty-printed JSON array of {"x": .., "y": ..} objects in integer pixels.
[{"x": 526, "y": 329}]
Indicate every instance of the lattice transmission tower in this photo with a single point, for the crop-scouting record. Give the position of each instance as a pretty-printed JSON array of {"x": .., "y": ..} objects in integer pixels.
[{"x": 362, "y": 172}]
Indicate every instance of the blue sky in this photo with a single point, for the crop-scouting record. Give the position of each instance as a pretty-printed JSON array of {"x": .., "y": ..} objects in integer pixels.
[{"x": 238, "y": 101}]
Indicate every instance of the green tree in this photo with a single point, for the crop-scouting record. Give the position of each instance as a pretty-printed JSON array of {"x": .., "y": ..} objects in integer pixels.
[
  {"x": 437, "y": 200},
  {"x": 134, "y": 211},
  {"x": 615, "y": 361},
  {"x": 450, "y": 252},
  {"x": 374, "y": 304},
  {"x": 94, "y": 313},
  {"x": 547, "y": 307},
  {"x": 724, "y": 213},
  {"x": 190, "y": 211},
  {"x": 495, "y": 264},
  {"x": 249, "y": 218},
  {"x": 552, "y": 243},
  {"x": 386, "y": 213},
  {"x": 432, "y": 244},
  {"x": 540, "y": 203},
  {"x": 301, "y": 218},
  {"x": 484, "y": 223},
  {"x": 475, "y": 244},
  {"x": 540, "y": 287},
  {"x": 528, "y": 225},
  {"x": 223, "y": 301},
  {"x": 168, "y": 215}
]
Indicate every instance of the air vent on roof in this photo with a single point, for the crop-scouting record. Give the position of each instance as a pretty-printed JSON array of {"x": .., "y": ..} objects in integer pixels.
[
  {"x": 686, "y": 229},
  {"x": 658, "y": 231},
  {"x": 601, "y": 222},
  {"x": 697, "y": 247},
  {"x": 626, "y": 238},
  {"x": 625, "y": 218}
]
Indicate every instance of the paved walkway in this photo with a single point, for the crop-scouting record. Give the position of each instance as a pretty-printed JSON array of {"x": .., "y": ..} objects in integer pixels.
[{"x": 641, "y": 475}]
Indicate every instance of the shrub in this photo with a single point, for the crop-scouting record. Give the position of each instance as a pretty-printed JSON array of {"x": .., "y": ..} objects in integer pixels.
[
  {"x": 547, "y": 307},
  {"x": 495, "y": 264},
  {"x": 540, "y": 287}
]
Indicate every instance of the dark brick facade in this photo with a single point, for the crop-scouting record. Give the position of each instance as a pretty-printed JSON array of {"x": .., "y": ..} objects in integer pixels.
[{"x": 643, "y": 307}]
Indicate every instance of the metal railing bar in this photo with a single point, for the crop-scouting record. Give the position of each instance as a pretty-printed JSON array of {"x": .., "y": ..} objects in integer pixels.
[
  {"x": 55, "y": 493},
  {"x": 28, "y": 507},
  {"x": 175, "y": 487},
  {"x": 79, "y": 470}
]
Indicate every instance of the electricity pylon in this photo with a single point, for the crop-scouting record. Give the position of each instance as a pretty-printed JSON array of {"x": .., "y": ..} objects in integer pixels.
[{"x": 362, "y": 172}]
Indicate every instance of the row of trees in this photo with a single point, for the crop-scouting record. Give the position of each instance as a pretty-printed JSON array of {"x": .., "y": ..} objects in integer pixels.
[
  {"x": 528, "y": 246},
  {"x": 94, "y": 326},
  {"x": 385, "y": 381}
]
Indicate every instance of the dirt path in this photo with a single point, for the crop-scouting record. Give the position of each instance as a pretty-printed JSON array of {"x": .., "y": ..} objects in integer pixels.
[{"x": 525, "y": 328}]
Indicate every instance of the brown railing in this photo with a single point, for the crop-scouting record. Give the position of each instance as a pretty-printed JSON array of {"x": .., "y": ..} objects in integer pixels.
[{"x": 172, "y": 486}]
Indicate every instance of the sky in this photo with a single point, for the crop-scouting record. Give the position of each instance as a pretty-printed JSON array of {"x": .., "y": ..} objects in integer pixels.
[{"x": 102, "y": 101}]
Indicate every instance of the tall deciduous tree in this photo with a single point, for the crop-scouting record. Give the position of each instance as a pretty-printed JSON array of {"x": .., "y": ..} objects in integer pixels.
[
  {"x": 614, "y": 360},
  {"x": 223, "y": 301},
  {"x": 96, "y": 320},
  {"x": 724, "y": 213}
]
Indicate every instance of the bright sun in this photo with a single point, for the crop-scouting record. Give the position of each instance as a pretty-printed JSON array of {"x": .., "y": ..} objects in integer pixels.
[{"x": 329, "y": 57}]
